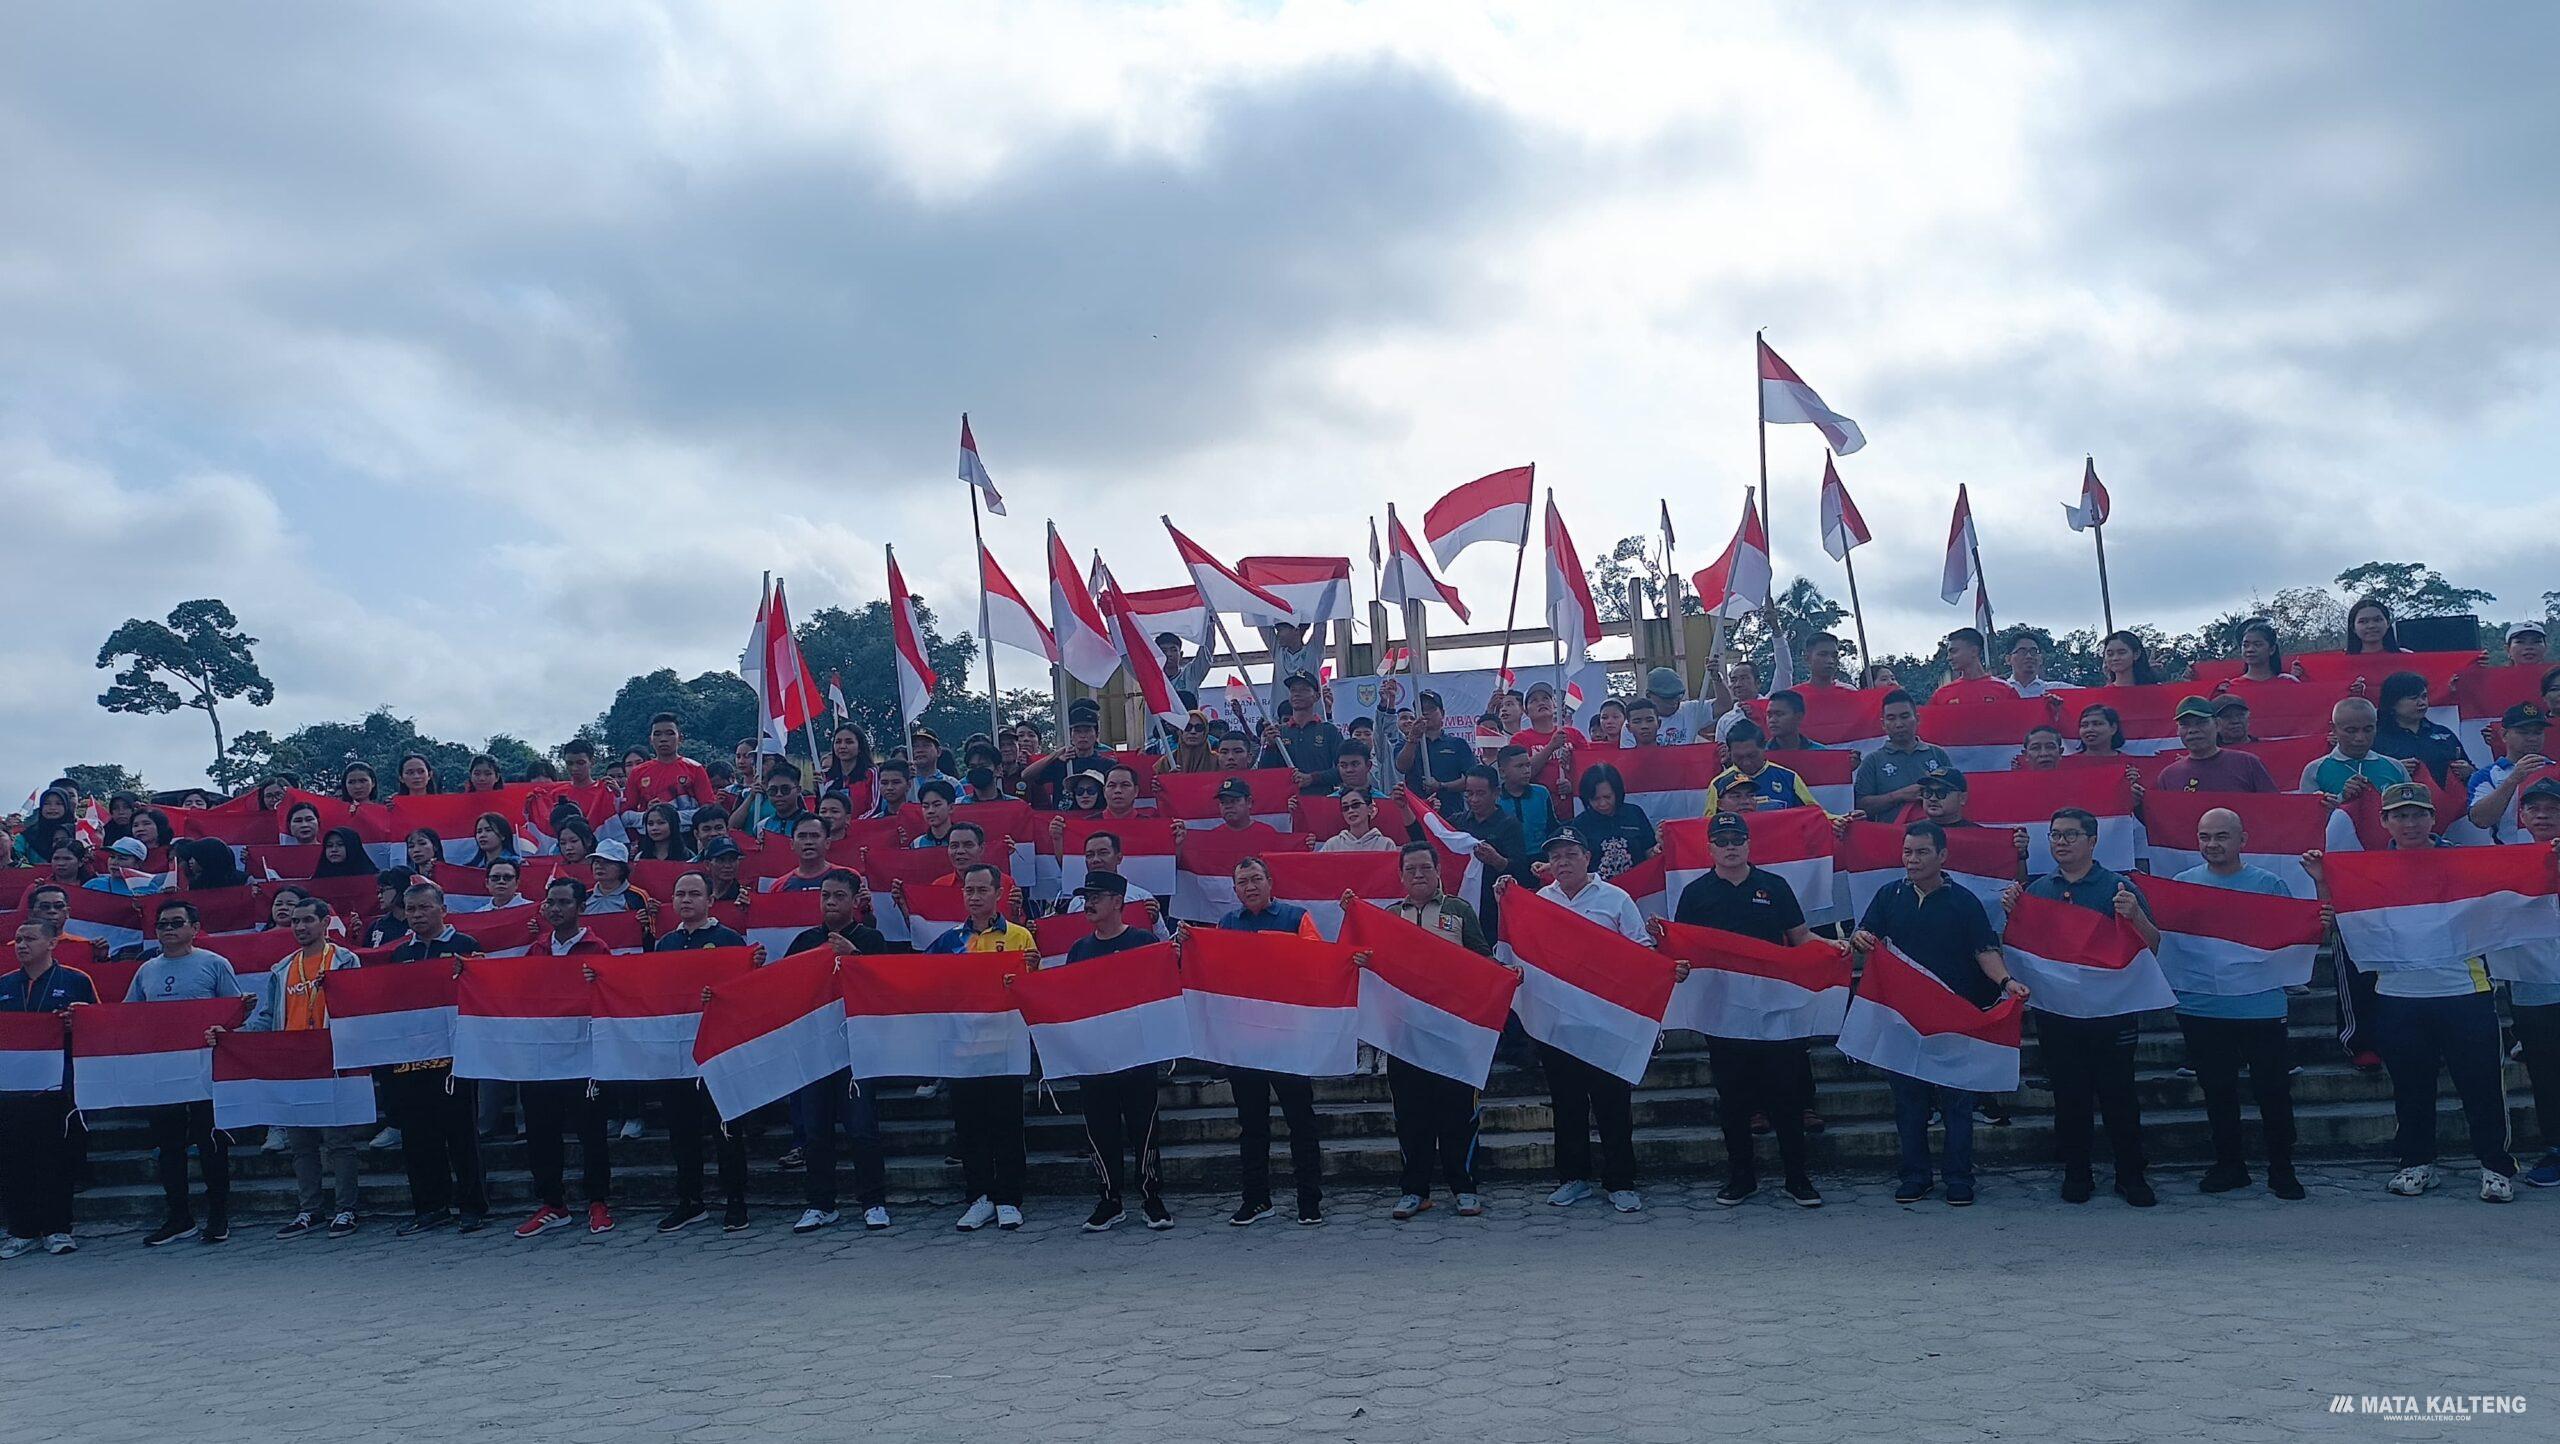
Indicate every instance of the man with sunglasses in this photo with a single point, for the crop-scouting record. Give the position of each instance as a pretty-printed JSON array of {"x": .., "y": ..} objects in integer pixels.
[
  {"x": 184, "y": 971},
  {"x": 49, "y": 903}
]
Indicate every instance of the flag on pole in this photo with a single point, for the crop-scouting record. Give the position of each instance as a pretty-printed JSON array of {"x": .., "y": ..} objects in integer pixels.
[
  {"x": 1317, "y": 589},
  {"x": 1842, "y": 528},
  {"x": 1491, "y": 508},
  {"x": 1138, "y": 650},
  {"x": 286, "y": 1080},
  {"x": 915, "y": 673},
  {"x": 1570, "y": 609},
  {"x": 751, "y": 659},
  {"x": 1082, "y": 638},
  {"x": 1784, "y": 397},
  {"x": 1222, "y": 586},
  {"x": 835, "y": 695},
  {"x": 1408, "y": 577},
  {"x": 791, "y": 694},
  {"x": 1982, "y": 608},
  {"x": 1736, "y": 584},
  {"x": 1957, "y": 573},
  {"x": 974, "y": 471},
  {"x": 1010, "y": 619},
  {"x": 2092, "y": 510},
  {"x": 1905, "y": 1021}
]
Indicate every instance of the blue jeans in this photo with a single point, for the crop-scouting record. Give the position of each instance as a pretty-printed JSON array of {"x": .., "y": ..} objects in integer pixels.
[
  {"x": 820, "y": 1110},
  {"x": 1912, "y": 1100}
]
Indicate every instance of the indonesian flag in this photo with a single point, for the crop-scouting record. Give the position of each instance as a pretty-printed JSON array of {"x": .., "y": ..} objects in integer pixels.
[
  {"x": 2429, "y": 907},
  {"x": 934, "y": 908},
  {"x": 2221, "y": 942},
  {"x": 523, "y": 1020},
  {"x": 835, "y": 695},
  {"x": 2092, "y": 510},
  {"x": 1905, "y": 1021},
  {"x": 1584, "y": 989},
  {"x": 772, "y": 920},
  {"x": 391, "y": 1013},
  {"x": 1408, "y": 578},
  {"x": 2081, "y": 963},
  {"x": 1571, "y": 612},
  {"x": 1316, "y": 881},
  {"x": 1981, "y": 860},
  {"x": 1318, "y": 589},
  {"x": 1461, "y": 871},
  {"x": 1958, "y": 572},
  {"x": 1830, "y": 774},
  {"x": 751, "y": 658},
  {"x": 31, "y": 1055},
  {"x": 915, "y": 672},
  {"x": 1273, "y": 1001},
  {"x": 647, "y": 1009},
  {"x": 791, "y": 694},
  {"x": 771, "y": 1032},
  {"x": 2027, "y": 800},
  {"x": 1178, "y": 610},
  {"x": 141, "y": 1055},
  {"x": 1843, "y": 529},
  {"x": 882, "y": 867},
  {"x": 2481, "y": 695},
  {"x": 1010, "y": 619},
  {"x": 285, "y": 1080},
  {"x": 1082, "y": 638},
  {"x": 1053, "y": 935},
  {"x": 1741, "y": 987},
  {"x": 1146, "y": 851},
  {"x": 1845, "y": 720},
  {"x": 1120, "y": 1010},
  {"x": 1666, "y": 782},
  {"x": 2277, "y": 829},
  {"x": 2276, "y": 709},
  {"x": 1490, "y": 508},
  {"x": 1649, "y": 883},
  {"x": 974, "y": 471},
  {"x": 1793, "y": 842},
  {"x": 1146, "y": 664},
  {"x": 1222, "y": 586},
  {"x": 1204, "y": 876},
  {"x": 1425, "y": 999},
  {"x": 1192, "y": 797},
  {"x": 1736, "y": 584},
  {"x": 1986, "y": 735},
  {"x": 912, "y": 1015},
  {"x": 104, "y": 918},
  {"x": 1784, "y": 398}
]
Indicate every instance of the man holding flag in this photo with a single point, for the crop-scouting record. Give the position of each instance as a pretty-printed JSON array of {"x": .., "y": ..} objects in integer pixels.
[
  {"x": 1257, "y": 911},
  {"x": 986, "y": 1112},
  {"x": 1581, "y": 1093},
  {"x": 1435, "y": 1114},
  {"x": 1119, "y": 1108},
  {"x": 37, "y": 1153},
  {"x": 2225, "y": 1031},
  {"x": 292, "y": 998}
]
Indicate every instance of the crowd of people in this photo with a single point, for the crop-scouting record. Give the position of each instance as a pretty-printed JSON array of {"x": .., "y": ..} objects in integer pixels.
[{"x": 1540, "y": 799}]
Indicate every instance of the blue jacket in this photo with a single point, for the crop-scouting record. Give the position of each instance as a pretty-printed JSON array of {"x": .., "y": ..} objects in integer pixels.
[{"x": 1280, "y": 917}]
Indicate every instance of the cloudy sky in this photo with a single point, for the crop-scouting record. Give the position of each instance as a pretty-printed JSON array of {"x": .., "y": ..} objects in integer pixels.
[{"x": 483, "y": 356}]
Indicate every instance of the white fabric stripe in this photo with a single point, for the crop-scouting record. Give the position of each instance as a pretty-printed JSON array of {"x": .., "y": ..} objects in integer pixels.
[
  {"x": 331, "y": 1102},
  {"x": 1274, "y": 1037},
  {"x": 1583, "y": 1024},
  {"x": 2219, "y": 967},
  {"x": 658, "y": 1047},
  {"x": 791, "y": 1057},
  {"x": 1987, "y": 756},
  {"x": 1723, "y": 1004},
  {"x": 938, "y": 1045},
  {"x": 522, "y": 1050},
  {"x": 107, "y": 936},
  {"x": 143, "y": 1080},
  {"x": 1203, "y": 899},
  {"x": 2432, "y": 935},
  {"x": 31, "y": 1070},
  {"x": 1881, "y": 1038},
  {"x": 1403, "y": 1026},
  {"x": 378, "y": 1040},
  {"x": 2077, "y": 991},
  {"x": 2528, "y": 963},
  {"x": 1672, "y": 803},
  {"x": 1816, "y": 891},
  {"x": 1507, "y": 523},
  {"x": 1150, "y": 872},
  {"x": 2287, "y": 866},
  {"x": 1108, "y": 1042},
  {"x": 924, "y": 931}
]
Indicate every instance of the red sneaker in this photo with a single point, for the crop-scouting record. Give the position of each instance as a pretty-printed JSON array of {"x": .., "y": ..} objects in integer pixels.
[
  {"x": 599, "y": 1218},
  {"x": 2368, "y": 1061},
  {"x": 544, "y": 1220}
]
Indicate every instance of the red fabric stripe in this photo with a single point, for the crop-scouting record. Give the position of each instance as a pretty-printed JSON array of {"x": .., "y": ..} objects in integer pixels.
[
  {"x": 2249, "y": 919},
  {"x": 889, "y": 984},
  {"x": 773, "y": 996},
  {"x": 2016, "y": 798},
  {"x": 659, "y": 985},
  {"x": 30, "y": 1033},
  {"x": 1781, "y": 834},
  {"x": 2366, "y": 881},
  {"x": 1112, "y": 983},
  {"x": 1321, "y": 817},
  {"x": 2061, "y": 932},
  {"x": 1868, "y": 847},
  {"x": 1576, "y": 950},
  {"x": 2281, "y": 822},
  {"x": 1193, "y": 796},
  {"x": 372, "y": 990},
  {"x": 1894, "y": 981},
  {"x": 1684, "y": 768},
  {"x": 1464, "y": 503},
  {"x": 1139, "y": 836},
  {"x": 521, "y": 988},
  {"x": 1275, "y": 967},
  {"x": 305, "y": 1053},
  {"x": 1429, "y": 968},
  {"x": 117, "y": 1030},
  {"x": 1987, "y": 723},
  {"x": 1307, "y": 877},
  {"x": 1813, "y": 966}
]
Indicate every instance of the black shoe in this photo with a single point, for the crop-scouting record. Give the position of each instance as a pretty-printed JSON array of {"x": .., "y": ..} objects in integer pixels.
[
  {"x": 2137, "y": 1191},
  {"x": 1105, "y": 1217},
  {"x": 170, "y": 1232},
  {"x": 441, "y": 1218},
  {"x": 1310, "y": 1213},
  {"x": 301, "y": 1224},
  {"x": 2282, "y": 1182},
  {"x": 1737, "y": 1191},
  {"x": 217, "y": 1229},
  {"x": 2078, "y": 1186},
  {"x": 1157, "y": 1215},
  {"x": 1909, "y": 1192},
  {"x": 734, "y": 1219},
  {"x": 1804, "y": 1193},
  {"x": 683, "y": 1215},
  {"x": 2224, "y": 1177},
  {"x": 470, "y": 1222},
  {"x": 1248, "y": 1213},
  {"x": 791, "y": 1161}
]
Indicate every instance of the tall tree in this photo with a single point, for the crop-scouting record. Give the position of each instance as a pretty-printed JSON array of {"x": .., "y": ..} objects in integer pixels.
[
  {"x": 2411, "y": 589},
  {"x": 318, "y": 753},
  {"x": 100, "y": 779},
  {"x": 198, "y": 658}
]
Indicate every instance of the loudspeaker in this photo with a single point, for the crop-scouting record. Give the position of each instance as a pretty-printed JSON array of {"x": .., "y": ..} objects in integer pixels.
[{"x": 2440, "y": 634}]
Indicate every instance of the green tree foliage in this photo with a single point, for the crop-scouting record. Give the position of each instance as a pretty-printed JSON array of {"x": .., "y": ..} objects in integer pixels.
[
  {"x": 855, "y": 644},
  {"x": 198, "y": 658},
  {"x": 715, "y": 709},
  {"x": 98, "y": 779},
  {"x": 2411, "y": 589}
]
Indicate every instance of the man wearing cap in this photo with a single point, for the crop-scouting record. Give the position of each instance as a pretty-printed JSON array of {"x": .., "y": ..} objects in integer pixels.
[
  {"x": 924, "y": 750},
  {"x": 2533, "y": 992},
  {"x": 834, "y": 1102},
  {"x": 1683, "y": 719},
  {"x": 1302, "y": 740},
  {"x": 2231, "y": 720},
  {"x": 1257, "y": 911},
  {"x": 2527, "y": 645},
  {"x": 1045, "y": 780},
  {"x": 1581, "y": 1094},
  {"x": 1296, "y": 651},
  {"x": 1888, "y": 778},
  {"x": 1753, "y": 1077},
  {"x": 1119, "y": 1108},
  {"x": 2521, "y": 731},
  {"x": 1435, "y": 1114},
  {"x": 2226, "y": 1031},
  {"x": 1432, "y": 762},
  {"x": 2439, "y": 1017},
  {"x": 1751, "y": 782},
  {"x": 2208, "y": 766}
]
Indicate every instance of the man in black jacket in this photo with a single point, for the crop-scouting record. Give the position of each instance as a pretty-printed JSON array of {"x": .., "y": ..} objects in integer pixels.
[
  {"x": 687, "y": 1103},
  {"x": 835, "y": 1101},
  {"x": 437, "y": 1114}
]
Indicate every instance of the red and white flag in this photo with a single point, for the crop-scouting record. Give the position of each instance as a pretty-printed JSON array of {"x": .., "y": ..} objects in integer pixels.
[
  {"x": 1136, "y": 648},
  {"x": 912, "y": 1015},
  {"x": 1650, "y": 885},
  {"x": 385, "y": 1014},
  {"x": 1317, "y": 589},
  {"x": 2027, "y": 801},
  {"x": 1408, "y": 578},
  {"x": 1957, "y": 573},
  {"x": 835, "y": 695},
  {"x": 1981, "y": 860},
  {"x": 648, "y": 1008},
  {"x": 2222, "y": 942},
  {"x": 31, "y": 1052},
  {"x": 523, "y": 1020},
  {"x": 1571, "y": 612},
  {"x": 1736, "y": 584},
  {"x": 1053, "y": 935},
  {"x": 1793, "y": 842},
  {"x": 1222, "y": 586},
  {"x": 1082, "y": 637},
  {"x": 1425, "y": 999},
  {"x": 1121, "y": 1010},
  {"x": 1843, "y": 529},
  {"x": 1010, "y": 619},
  {"x": 1584, "y": 989},
  {"x": 1316, "y": 881},
  {"x": 141, "y": 1055},
  {"x": 286, "y": 1080},
  {"x": 1741, "y": 987},
  {"x": 1204, "y": 882},
  {"x": 973, "y": 470},
  {"x": 751, "y": 657},
  {"x": 1192, "y": 797},
  {"x": 1274, "y": 1001},
  {"x": 791, "y": 694},
  {"x": 1905, "y": 1021},
  {"x": 2426, "y": 908},
  {"x": 1178, "y": 610},
  {"x": 2277, "y": 829},
  {"x": 2081, "y": 963},
  {"x": 772, "y": 1032},
  {"x": 932, "y": 909},
  {"x": 1461, "y": 871},
  {"x": 1492, "y": 508},
  {"x": 1666, "y": 781},
  {"x": 772, "y": 919},
  {"x": 1146, "y": 851},
  {"x": 1784, "y": 397},
  {"x": 1985, "y": 735},
  {"x": 916, "y": 680},
  {"x": 2092, "y": 510}
]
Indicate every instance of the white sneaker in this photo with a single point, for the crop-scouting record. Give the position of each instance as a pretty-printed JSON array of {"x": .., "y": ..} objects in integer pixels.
[
  {"x": 1008, "y": 1217},
  {"x": 980, "y": 1214},
  {"x": 814, "y": 1219},
  {"x": 1567, "y": 1195},
  {"x": 929, "y": 1090},
  {"x": 2410, "y": 1182},
  {"x": 276, "y": 1142},
  {"x": 59, "y": 1243},
  {"x": 875, "y": 1218},
  {"x": 16, "y": 1246},
  {"x": 630, "y": 1129},
  {"x": 1406, "y": 1207},
  {"x": 387, "y": 1138},
  {"x": 2496, "y": 1187},
  {"x": 1625, "y": 1200}
]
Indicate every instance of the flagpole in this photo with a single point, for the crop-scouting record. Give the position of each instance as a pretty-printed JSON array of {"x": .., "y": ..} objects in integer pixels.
[
  {"x": 1760, "y": 408},
  {"x": 810, "y": 725},
  {"x": 1511, "y": 614},
  {"x": 985, "y": 639},
  {"x": 1671, "y": 608},
  {"x": 1981, "y": 587},
  {"x": 1848, "y": 559},
  {"x": 2106, "y": 601}
]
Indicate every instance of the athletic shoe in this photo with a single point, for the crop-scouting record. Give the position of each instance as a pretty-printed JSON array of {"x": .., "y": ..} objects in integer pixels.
[
  {"x": 929, "y": 1090},
  {"x": 2496, "y": 1187},
  {"x": 470, "y": 1222},
  {"x": 1572, "y": 1192},
  {"x": 791, "y": 1161},
  {"x": 1105, "y": 1217},
  {"x": 217, "y": 1229},
  {"x": 276, "y": 1142},
  {"x": 1247, "y": 1213},
  {"x": 599, "y": 1218},
  {"x": 2224, "y": 1177},
  {"x": 1804, "y": 1193},
  {"x": 2546, "y": 1173},
  {"x": 441, "y": 1218},
  {"x": 544, "y": 1220},
  {"x": 875, "y": 1218},
  {"x": 682, "y": 1216},
  {"x": 733, "y": 1219},
  {"x": 1736, "y": 1192},
  {"x": 978, "y": 1216},
  {"x": 1911, "y": 1190},
  {"x": 2282, "y": 1182},
  {"x": 2368, "y": 1061},
  {"x": 16, "y": 1246},
  {"x": 2184, "y": 1070},
  {"x": 1760, "y": 1125},
  {"x": 1159, "y": 1217},
  {"x": 2410, "y": 1182},
  {"x": 342, "y": 1223},
  {"x": 1626, "y": 1200},
  {"x": 630, "y": 1129},
  {"x": 814, "y": 1219},
  {"x": 1813, "y": 1122},
  {"x": 2078, "y": 1186},
  {"x": 1960, "y": 1195},
  {"x": 302, "y": 1223},
  {"x": 387, "y": 1138},
  {"x": 59, "y": 1243},
  {"x": 1407, "y": 1205},
  {"x": 1310, "y": 1213},
  {"x": 2138, "y": 1192},
  {"x": 1008, "y": 1217},
  {"x": 1470, "y": 1206},
  {"x": 1991, "y": 1115}
]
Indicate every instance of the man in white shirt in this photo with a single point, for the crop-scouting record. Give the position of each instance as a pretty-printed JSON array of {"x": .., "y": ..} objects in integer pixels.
[
  {"x": 1683, "y": 719},
  {"x": 2026, "y": 669},
  {"x": 1579, "y": 1093}
]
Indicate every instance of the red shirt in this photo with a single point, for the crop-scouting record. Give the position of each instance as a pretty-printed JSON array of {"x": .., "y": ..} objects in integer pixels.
[
  {"x": 1533, "y": 739},
  {"x": 675, "y": 779},
  {"x": 1980, "y": 689}
]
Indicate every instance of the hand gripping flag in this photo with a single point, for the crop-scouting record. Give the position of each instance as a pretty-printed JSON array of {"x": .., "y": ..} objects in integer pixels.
[
  {"x": 1491, "y": 508},
  {"x": 1981, "y": 860},
  {"x": 1010, "y": 619},
  {"x": 1584, "y": 989},
  {"x": 1408, "y": 578},
  {"x": 1082, "y": 637},
  {"x": 31, "y": 1052},
  {"x": 1105, "y": 1014},
  {"x": 1273, "y": 1001},
  {"x": 1843, "y": 529},
  {"x": 772, "y": 1032},
  {"x": 916, "y": 680},
  {"x": 1784, "y": 398},
  {"x": 2081, "y": 963},
  {"x": 914, "y": 1015},
  {"x": 1905, "y": 1021},
  {"x": 389, "y": 1014},
  {"x": 1741, "y": 987},
  {"x": 522, "y": 1020},
  {"x": 2431, "y": 907},
  {"x": 1424, "y": 998},
  {"x": 973, "y": 470},
  {"x": 648, "y": 1009},
  {"x": 286, "y": 1080},
  {"x": 2222, "y": 942},
  {"x": 2092, "y": 510},
  {"x": 141, "y": 1055},
  {"x": 1736, "y": 584}
]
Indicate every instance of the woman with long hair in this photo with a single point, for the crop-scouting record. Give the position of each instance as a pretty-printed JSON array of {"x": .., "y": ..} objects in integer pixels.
[
  {"x": 120, "y": 810},
  {"x": 417, "y": 776},
  {"x": 358, "y": 785},
  {"x": 207, "y": 862},
  {"x": 493, "y": 840},
  {"x": 662, "y": 835},
  {"x": 848, "y": 760},
  {"x": 70, "y": 862},
  {"x": 2370, "y": 627},
  {"x": 153, "y": 829},
  {"x": 2123, "y": 661},
  {"x": 2262, "y": 653},
  {"x": 483, "y": 775},
  {"x": 1616, "y": 831},
  {"x": 426, "y": 849},
  {"x": 2101, "y": 731},
  {"x": 342, "y": 854},
  {"x": 2407, "y": 736}
]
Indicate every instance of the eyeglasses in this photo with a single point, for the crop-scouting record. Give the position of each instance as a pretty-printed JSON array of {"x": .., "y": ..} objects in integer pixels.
[
  {"x": 168, "y": 924},
  {"x": 2070, "y": 834}
]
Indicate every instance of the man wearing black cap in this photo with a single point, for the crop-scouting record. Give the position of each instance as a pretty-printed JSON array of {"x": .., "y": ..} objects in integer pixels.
[
  {"x": 2231, "y": 720},
  {"x": 1119, "y": 1108},
  {"x": 834, "y": 1101},
  {"x": 2208, "y": 766},
  {"x": 1302, "y": 740},
  {"x": 2493, "y": 802},
  {"x": 1431, "y": 761},
  {"x": 1045, "y": 779}
]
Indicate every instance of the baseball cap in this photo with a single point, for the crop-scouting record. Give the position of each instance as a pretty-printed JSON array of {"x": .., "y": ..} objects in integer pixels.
[
  {"x": 2543, "y": 786},
  {"x": 1564, "y": 839},
  {"x": 1944, "y": 779},
  {"x": 1106, "y": 883},
  {"x": 1308, "y": 679},
  {"x": 1728, "y": 827},
  {"x": 2407, "y": 794},
  {"x": 1429, "y": 697},
  {"x": 1664, "y": 682},
  {"x": 2196, "y": 707},
  {"x": 2525, "y": 629},
  {"x": 1084, "y": 712},
  {"x": 132, "y": 847},
  {"x": 1539, "y": 689},
  {"x": 612, "y": 850},
  {"x": 716, "y": 847},
  {"x": 2524, "y": 714},
  {"x": 2229, "y": 702},
  {"x": 1234, "y": 787}
]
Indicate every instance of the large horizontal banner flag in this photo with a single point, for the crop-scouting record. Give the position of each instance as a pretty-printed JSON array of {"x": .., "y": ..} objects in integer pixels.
[
  {"x": 1584, "y": 989},
  {"x": 1106, "y": 1014},
  {"x": 1837, "y": 717},
  {"x": 1985, "y": 736},
  {"x": 31, "y": 1053},
  {"x": 1146, "y": 851},
  {"x": 286, "y": 1080},
  {"x": 911, "y": 1015},
  {"x": 1981, "y": 860},
  {"x": 1829, "y": 773},
  {"x": 1905, "y": 1021},
  {"x": 1793, "y": 842},
  {"x": 1425, "y": 999},
  {"x": 1667, "y": 782},
  {"x": 1204, "y": 883},
  {"x": 2431, "y": 907},
  {"x": 2482, "y": 695},
  {"x": 2028, "y": 800},
  {"x": 1273, "y": 1001},
  {"x": 773, "y": 919},
  {"x": 647, "y": 1009},
  {"x": 2081, "y": 963},
  {"x": 1053, "y": 934},
  {"x": 1316, "y": 881},
  {"x": 523, "y": 1020},
  {"x": 2225, "y": 943},
  {"x": 1741, "y": 987},
  {"x": 107, "y": 919},
  {"x": 2277, "y": 828},
  {"x": 143, "y": 1055},
  {"x": 1192, "y": 797},
  {"x": 772, "y": 1032},
  {"x": 2149, "y": 713},
  {"x": 392, "y": 1013}
]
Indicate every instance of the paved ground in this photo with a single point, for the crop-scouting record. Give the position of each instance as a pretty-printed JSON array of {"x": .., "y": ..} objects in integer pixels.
[{"x": 2231, "y": 1319}]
